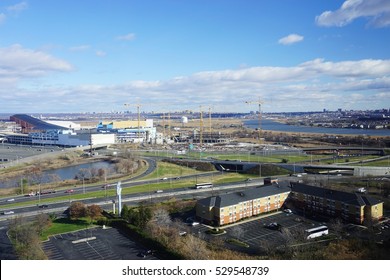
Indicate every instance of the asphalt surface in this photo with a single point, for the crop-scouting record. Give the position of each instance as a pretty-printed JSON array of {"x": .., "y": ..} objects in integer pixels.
[
  {"x": 7, "y": 251},
  {"x": 255, "y": 232},
  {"x": 94, "y": 244}
]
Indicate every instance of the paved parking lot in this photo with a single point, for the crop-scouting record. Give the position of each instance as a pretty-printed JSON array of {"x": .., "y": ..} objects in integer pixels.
[
  {"x": 254, "y": 232},
  {"x": 93, "y": 244}
]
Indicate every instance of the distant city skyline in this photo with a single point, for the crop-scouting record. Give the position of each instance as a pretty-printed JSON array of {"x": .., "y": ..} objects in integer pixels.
[{"x": 95, "y": 56}]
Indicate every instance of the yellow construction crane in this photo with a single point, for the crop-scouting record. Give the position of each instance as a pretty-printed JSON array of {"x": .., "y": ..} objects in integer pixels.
[
  {"x": 259, "y": 102},
  {"x": 139, "y": 117}
]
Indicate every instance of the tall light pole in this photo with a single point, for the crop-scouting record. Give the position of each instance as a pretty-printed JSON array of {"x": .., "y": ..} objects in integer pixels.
[
  {"x": 139, "y": 118},
  {"x": 259, "y": 102}
]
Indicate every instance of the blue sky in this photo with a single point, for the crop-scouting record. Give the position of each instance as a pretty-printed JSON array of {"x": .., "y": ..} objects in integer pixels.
[{"x": 173, "y": 55}]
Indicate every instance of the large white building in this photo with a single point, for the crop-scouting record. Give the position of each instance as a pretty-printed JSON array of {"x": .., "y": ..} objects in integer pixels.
[
  {"x": 130, "y": 131},
  {"x": 38, "y": 132}
]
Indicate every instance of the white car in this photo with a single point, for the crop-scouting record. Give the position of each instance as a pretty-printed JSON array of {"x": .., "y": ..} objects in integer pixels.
[
  {"x": 288, "y": 211},
  {"x": 8, "y": 212},
  {"x": 182, "y": 233},
  {"x": 11, "y": 199},
  {"x": 194, "y": 223}
]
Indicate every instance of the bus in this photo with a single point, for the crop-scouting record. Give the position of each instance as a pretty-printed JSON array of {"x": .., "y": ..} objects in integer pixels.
[
  {"x": 203, "y": 185},
  {"x": 316, "y": 232}
]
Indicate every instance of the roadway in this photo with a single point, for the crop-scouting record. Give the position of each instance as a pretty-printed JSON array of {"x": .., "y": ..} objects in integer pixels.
[{"x": 106, "y": 202}]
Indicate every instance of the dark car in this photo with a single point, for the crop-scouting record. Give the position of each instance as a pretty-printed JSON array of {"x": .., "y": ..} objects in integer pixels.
[
  {"x": 274, "y": 226},
  {"x": 43, "y": 206}
]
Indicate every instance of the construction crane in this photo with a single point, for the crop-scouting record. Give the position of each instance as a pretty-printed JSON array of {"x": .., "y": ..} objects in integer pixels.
[
  {"x": 259, "y": 102},
  {"x": 164, "y": 117},
  {"x": 139, "y": 117}
]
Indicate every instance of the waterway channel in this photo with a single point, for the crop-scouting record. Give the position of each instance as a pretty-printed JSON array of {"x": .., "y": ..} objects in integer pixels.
[
  {"x": 267, "y": 124},
  {"x": 64, "y": 173}
]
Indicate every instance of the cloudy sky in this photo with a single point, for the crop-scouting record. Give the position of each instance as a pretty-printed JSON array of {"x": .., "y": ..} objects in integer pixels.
[{"x": 169, "y": 55}]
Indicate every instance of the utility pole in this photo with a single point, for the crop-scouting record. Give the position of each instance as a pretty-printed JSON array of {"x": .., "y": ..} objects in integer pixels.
[{"x": 210, "y": 132}]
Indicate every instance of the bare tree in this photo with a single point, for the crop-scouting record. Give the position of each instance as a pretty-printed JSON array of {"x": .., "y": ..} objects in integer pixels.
[
  {"x": 93, "y": 212},
  {"x": 336, "y": 225},
  {"x": 42, "y": 222},
  {"x": 161, "y": 217},
  {"x": 26, "y": 240},
  {"x": 126, "y": 166},
  {"x": 102, "y": 173},
  {"x": 196, "y": 248},
  {"x": 82, "y": 174},
  {"x": 76, "y": 210}
]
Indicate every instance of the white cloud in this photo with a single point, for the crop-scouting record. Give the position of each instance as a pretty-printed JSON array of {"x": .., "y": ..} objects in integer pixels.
[
  {"x": 127, "y": 37},
  {"x": 311, "y": 85},
  {"x": 377, "y": 11},
  {"x": 290, "y": 39},
  {"x": 18, "y": 62},
  {"x": 18, "y": 7},
  {"x": 80, "y": 48},
  {"x": 100, "y": 53},
  {"x": 2, "y": 18}
]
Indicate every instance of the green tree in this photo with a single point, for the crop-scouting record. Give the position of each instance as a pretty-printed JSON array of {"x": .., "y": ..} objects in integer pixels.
[
  {"x": 125, "y": 212},
  {"x": 145, "y": 214},
  {"x": 139, "y": 216}
]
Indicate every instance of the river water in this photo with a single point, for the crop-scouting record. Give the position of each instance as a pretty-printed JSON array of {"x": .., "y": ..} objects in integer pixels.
[
  {"x": 267, "y": 124},
  {"x": 65, "y": 173}
]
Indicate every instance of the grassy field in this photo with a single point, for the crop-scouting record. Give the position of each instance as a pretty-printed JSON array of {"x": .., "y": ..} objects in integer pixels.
[
  {"x": 64, "y": 225},
  {"x": 267, "y": 158},
  {"x": 379, "y": 163},
  {"x": 165, "y": 169}
]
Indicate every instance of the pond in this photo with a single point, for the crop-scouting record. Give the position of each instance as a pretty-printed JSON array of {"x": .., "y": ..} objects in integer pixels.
[{"x": 65, "y": 173}]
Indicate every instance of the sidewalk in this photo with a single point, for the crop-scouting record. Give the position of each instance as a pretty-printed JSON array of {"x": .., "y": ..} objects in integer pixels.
[{"x": 248, "y": 220}]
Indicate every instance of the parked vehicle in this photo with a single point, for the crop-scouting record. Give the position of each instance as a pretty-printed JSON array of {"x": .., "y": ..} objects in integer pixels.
[
  {"x": 274, "y": 226},
  {"x": 316, "y": 232}
]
